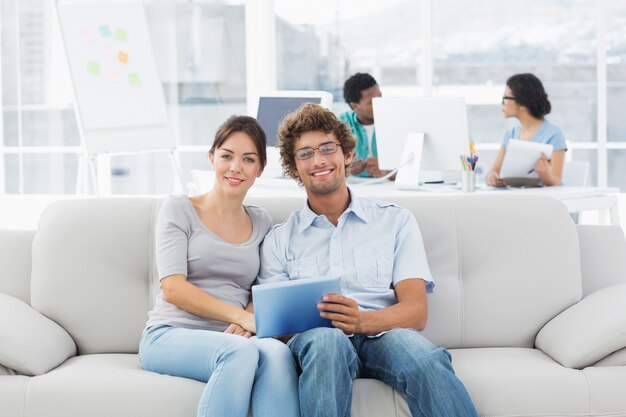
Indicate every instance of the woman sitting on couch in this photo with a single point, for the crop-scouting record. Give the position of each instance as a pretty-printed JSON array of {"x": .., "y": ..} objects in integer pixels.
[{"x": 207, "y": 254}]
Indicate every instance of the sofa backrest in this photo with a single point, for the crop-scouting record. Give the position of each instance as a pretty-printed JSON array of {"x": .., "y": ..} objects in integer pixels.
[
  {"x": 92, "y": 270},
  {"x": 15, "y": 259},
  {"x": 503, "y": 267},
  {"x": 603, "y": 256}
]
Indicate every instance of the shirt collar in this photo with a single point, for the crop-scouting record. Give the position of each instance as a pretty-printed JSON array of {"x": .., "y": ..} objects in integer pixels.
[{"x": 308, "y": 216}]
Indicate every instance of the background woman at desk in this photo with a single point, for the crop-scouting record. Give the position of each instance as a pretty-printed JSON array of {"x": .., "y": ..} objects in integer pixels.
[
  {"x": 207, "y": 256},
  {"x": 526, "y": 100}
]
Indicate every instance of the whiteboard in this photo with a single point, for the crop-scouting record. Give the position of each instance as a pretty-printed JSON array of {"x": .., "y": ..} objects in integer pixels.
[{"x": 119, "y": 97}]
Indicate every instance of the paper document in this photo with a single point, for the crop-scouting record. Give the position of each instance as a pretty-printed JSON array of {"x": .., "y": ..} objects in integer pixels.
[{"x": 521, "y": 157}]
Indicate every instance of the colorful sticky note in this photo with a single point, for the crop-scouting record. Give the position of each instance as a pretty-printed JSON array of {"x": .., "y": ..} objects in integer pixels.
[
  {"x": 105, "y": 31},
  {"x": 112, "y": 75},
  {"x": 87, "y": 34},
  {"x": 120, "y": 35},
  {"x": 93, "y": 68},
  {"x": 134, "y": 78},
  {"x": 107, "y": 52},
  {"x": 122, "y": 57}
]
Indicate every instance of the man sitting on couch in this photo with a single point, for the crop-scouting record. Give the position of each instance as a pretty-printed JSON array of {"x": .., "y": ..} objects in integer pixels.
[{"x": 378, "y": 252}]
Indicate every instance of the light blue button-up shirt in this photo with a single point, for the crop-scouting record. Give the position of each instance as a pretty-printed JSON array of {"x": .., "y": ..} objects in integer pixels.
[{"x": 373, "y": 247}]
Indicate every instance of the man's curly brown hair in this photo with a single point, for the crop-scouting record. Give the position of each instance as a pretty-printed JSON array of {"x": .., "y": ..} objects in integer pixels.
[{"x": 310, "y": 117}]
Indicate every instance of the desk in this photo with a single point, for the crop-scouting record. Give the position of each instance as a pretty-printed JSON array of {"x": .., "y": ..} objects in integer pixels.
[{"x": 576, "y": 199}]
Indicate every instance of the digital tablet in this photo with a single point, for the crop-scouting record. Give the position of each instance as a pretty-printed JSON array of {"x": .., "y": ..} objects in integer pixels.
[
  {"x": 287, "y": 307},
  {"x": 523, "y": 182}
]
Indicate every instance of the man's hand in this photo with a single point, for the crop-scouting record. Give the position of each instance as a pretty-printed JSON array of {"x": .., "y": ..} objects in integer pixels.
[
  {"x": 373, "y": 170},
  {"x": 342, "y": 311},
  {"x": 357, "y": 166},
  {"x": 238, "y": 330},
  {"x": 371, "y": 164}
]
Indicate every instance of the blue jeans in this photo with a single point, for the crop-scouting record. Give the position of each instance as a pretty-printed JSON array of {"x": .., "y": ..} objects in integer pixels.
[
  {"x": 403, "y": 359},
  {"x": 239, "y": 372}
]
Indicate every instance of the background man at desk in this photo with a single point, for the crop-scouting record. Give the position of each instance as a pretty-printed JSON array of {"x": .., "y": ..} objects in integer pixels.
[
  {"x": 358, "y": 91},
  {"x": 377, "y": 250}
]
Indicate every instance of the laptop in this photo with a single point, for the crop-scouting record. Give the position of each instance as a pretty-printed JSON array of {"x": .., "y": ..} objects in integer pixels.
[{"x": 288, "y": 307}]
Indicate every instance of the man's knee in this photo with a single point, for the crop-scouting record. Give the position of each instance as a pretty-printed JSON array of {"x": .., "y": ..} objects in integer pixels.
[
  {"x": 323, "y": 345},
  {"x": 323, "y": 337},
  {"x": 419, "y": 355}
]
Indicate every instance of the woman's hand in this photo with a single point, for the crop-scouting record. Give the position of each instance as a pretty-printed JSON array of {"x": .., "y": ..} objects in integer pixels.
[
  {"x": 238, "y": 330},
  {"x": 543, "y": 167},
  {"x": 493, "y": 179},
  {"x": 246, "y": 322}
]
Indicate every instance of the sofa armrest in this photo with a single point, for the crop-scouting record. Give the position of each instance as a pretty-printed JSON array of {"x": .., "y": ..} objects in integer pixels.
[
  {"x": 587, "y": 331},
  {"x": 31, "y": 343}
]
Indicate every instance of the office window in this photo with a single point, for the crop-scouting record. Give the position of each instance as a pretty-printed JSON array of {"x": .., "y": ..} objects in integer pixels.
[
  {"x": 199, "y": 51},
  {"x": 38, "y": 122},
  {"x": 478, "y": 44},
  {"x": 320, "y": 44},
  {"x": 616, "y": 92}
]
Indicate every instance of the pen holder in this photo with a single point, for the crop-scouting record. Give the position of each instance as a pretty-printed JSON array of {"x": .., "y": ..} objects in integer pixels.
[{"x": 468, "y": 181}]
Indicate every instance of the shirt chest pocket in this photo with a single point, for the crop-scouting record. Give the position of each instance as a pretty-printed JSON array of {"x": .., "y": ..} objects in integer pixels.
[
  {"x": 302, "y": 268},
  {"x": 374, "y": 266}
]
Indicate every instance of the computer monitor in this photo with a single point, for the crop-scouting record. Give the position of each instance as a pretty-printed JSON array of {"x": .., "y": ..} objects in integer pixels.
[
  {"x": 443, "y": 122},
  {"x": 272, "y": 108}
]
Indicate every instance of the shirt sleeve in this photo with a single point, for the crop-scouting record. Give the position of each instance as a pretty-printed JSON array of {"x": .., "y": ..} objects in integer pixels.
[
  {"x": 171, "y": 238},
  {"x": 508, "y": 135},
  {"x": 557, "y": 139},
  {"x": 273, "y": 261},
  {"x": 409, "y": 255}
]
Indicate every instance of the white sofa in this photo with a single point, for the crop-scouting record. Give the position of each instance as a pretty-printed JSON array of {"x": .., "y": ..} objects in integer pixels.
[{"x": 510, "y": 273}]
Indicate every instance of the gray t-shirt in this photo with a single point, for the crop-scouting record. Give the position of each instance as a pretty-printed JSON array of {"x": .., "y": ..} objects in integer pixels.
[{"x": 225, "y": 270}]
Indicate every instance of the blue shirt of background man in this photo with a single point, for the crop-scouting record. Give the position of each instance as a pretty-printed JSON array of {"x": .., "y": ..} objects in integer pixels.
[
  {"x": 373, "y": 247},
  {"x": 362, "y": 146},
  {"x": 547, "y": 133}
]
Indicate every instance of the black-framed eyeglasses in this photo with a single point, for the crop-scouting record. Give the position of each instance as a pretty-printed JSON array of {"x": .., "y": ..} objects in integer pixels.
[
  {"x": 507, "y": 98},
  {"x": 324, "y": 149}
]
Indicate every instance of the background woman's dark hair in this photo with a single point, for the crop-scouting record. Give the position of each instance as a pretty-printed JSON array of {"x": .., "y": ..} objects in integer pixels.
[
  {"x": 354, "y": 85},
  {"x": 528, "y": 92},
  {"x": 247, "y": 125}
]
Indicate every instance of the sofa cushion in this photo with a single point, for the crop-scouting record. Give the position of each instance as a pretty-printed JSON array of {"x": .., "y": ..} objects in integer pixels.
[
  {"x": 32, "y": 344},
  {"x": 606, "y": 390},
  {"x": 7, "y": 371},
  {"x": 614, "y": 359},
  {"x": 521, "y": 382},
  {"x": 12, "y": 393},
  {"x": 106, "y": 385},
  {"x": 589, "y": 330}
]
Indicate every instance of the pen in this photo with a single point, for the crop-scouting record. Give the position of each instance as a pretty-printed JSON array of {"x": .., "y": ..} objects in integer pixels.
[{"x": 532, "y": 169}]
